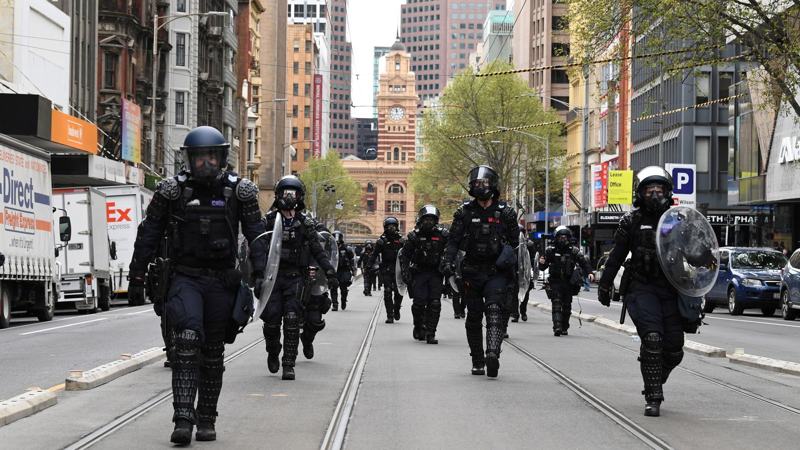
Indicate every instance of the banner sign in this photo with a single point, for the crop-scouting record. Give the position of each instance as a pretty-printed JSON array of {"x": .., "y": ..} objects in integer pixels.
[
  {"x": 131, "y": 132},
  {"x": 567, "y": 200},
  {"x": 317, "y": 126},
  {"x": 620, "y": 187},
  {"x": 600, "y": 185}
]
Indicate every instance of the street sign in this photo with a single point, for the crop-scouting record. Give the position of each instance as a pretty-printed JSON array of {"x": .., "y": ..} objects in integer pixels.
[{"x": 684, "y": 184}]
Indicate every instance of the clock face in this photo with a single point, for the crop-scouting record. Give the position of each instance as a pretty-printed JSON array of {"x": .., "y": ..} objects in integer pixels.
[{"x": 397, "y": 113}]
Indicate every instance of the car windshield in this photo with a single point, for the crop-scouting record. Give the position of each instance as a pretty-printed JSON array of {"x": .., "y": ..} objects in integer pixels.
[{"x": 758, "y": 260}]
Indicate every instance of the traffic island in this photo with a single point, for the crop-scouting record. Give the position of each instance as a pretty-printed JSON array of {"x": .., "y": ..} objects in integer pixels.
[
  {"x": 24, "y": 405},
  {"x": 79, "y": 380}
]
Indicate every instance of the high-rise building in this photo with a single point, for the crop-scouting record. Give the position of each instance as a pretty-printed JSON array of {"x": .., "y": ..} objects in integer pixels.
[
  {"x": 275, "y": 146},
  {"x": 377, "y": 67},
  {"x": 385, "y": 181},
  {"x": 343, "y": 134},
  {"x": 366, "y": 136},
  {"x": 314, "y": 12},
  {"x": 301, "y": 56},
  {"x": 440, "y": 35},
  {"x": 248, "y": 78},
  {"x": 541, "y": 38}
]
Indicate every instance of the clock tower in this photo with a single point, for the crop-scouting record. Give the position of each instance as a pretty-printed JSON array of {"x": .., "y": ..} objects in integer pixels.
[{"x": 397, "y": 108}]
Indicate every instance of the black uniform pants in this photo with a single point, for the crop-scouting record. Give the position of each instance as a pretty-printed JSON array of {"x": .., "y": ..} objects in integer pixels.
[
  {"x": 485, "y": 294},
  {"x": 345, "y": 280},
  {"x": 199, "y": 310},
  {"x": 426, "y": 292},
  {"x": 561, "y": 304},
  {"x": 523, "y": 306},
  {"x": 284, "y": 305},
  {"x": 392, "y": 299},
  {"x": 313, "y": 322}
]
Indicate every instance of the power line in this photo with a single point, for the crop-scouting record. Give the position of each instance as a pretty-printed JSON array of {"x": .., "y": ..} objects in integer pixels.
[{"x": 504, "y": 130}]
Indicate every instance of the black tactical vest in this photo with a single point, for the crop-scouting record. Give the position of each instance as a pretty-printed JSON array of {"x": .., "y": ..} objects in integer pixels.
[
  {"x": 483, "y": 237},
  {"x": 295, "y": 253},
  {"x": 391, "y": 246},
  {"x": 429, "y": 249},
  {"x": 562, "y": 262},
  {"x": 644, "y": 258}
]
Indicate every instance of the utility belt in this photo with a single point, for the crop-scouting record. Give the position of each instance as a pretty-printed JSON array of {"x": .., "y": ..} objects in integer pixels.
[{"x": 230, "y": 277}]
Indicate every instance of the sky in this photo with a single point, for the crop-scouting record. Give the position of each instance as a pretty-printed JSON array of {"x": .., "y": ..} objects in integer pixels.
[{"x": 372, "y": 23}]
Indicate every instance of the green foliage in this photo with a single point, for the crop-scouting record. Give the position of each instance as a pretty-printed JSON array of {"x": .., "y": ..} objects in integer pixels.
[
  {"x": 768, "y": 31},
  {"x": 475, "y": 105},
  {"x": 329, "y": 172}
]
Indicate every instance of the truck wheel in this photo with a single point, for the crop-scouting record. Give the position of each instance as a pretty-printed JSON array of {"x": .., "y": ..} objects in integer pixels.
[
  {"x": 46, "y": 313},
  {"x": 5, "y": 307},
  {"x": 104, "y": 298}
]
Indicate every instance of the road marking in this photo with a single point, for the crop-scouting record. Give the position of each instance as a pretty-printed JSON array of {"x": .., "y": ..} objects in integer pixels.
[
  {"x": 62, "y": 326},
  {"x": 754, "y": 321},
  {"x": 56, "y": 388},
  {"x": 137, "y": 312},
  {"x": 113, "y": 312}
]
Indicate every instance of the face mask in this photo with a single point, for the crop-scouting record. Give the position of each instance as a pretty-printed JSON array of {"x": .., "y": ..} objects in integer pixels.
[
  {"x": 391, "y": 229},
  {"x": 481, "y": 189},
  {"x": 562, "y": 242},
  {"x": 288, "y": 199},
  {"x": 205, "y": 164},
  {"x": 427, "y": 223}
]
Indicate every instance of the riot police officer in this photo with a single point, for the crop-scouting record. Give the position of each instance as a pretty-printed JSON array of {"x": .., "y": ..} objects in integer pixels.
[
  {"x": 420, "y": 261},
  {"x": 319, "y": 303},
  {"x": 386, "y": 248},
  {"x": 651, "y": 301},
  {"x": 299, "y": 244},
  {"x": 200, "y": 211},
  {"x": 344, "y": 272},
  {"x": 367, "y": 272},
  {"x": 567, "y": 268},
  {"x": 486, "y": 229}
]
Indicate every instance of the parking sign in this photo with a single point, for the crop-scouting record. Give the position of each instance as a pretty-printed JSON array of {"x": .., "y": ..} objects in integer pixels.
[{"x": 684, "y": 182}]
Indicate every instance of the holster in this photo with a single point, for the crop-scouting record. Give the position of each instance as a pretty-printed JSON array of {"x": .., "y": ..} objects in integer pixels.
[
  {"x": 242, "y": 312},
  {"x": 157, "y": 282},
  {"x": 625, "y": 282}
]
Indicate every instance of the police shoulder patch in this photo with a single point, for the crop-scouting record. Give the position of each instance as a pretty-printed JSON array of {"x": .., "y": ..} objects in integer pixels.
[
  {"x": 169, "y": 188},
  {"x": 246, "y": 190}
]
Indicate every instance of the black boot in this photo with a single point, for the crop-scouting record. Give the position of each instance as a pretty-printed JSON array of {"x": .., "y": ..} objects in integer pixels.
[
  {"x": 494, "y": 338},
  {"x": 432, "y": 313},
  {"x": 387, "y": 303},
  {"x": 272, "y": 337},
  {"x": 418, "y": 314},
  {"x": 652, "y": 364},
  {"x": 308, "y": 345},
  {"x": 291, "y": 340},
  {"x": 211, "y": 370},
  {"x": 475, "y": 340},
  {"x": 556, "y": 305},
  {"x": 524, "y": 317},
  {"x": 344, "y": 300},
  {"x": 184, "y": 385},
  {"x": 398, "y": 302},
  {"x": 671, "y": 361}
]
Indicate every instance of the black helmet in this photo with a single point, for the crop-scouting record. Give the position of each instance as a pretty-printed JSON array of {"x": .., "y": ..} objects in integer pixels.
[
  {"x": 563, "y": 236},
  {"x": 368, "y": 244},
  {"x": 339, "y": 236},
  {"x": 428, "y": 217},
  {"x": 205, "y": 152},
  {"x": 647, "y": 177},
  {"x": 488, "y": 187},
  {"x": 290, "y": 193},
  {"x": 391, "y": 225}
]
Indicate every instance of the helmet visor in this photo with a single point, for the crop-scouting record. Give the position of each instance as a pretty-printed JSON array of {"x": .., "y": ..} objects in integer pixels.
[
  {"x": 205, "y": 162},
  {"x": 482, "y": 172}
]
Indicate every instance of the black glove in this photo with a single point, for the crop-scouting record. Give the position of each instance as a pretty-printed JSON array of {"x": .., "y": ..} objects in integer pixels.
[
  {"x": 257, "y": 281},
  {"x": 136, "y": 290},
  {"x": 604, "y": 295},
  {"x": 447, "y": 269},
  {"x": 333, "y": 282}
]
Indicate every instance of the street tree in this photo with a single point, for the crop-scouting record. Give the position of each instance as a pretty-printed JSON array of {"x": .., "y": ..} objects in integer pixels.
[
  {"x": 333, "y": 186},
  {"x": 485, "y": 106},
  {"x": 767, "y": 31}
]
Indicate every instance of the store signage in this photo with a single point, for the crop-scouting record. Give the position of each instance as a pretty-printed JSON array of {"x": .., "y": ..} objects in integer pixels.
[
  {"x": 620, "y": 187},
  {"x": 317, "y": 125},
  {"x": 567, "y": 203},
  {"x": 600, "y": 185},
  {"x": 73, "y": 132},
  {"x": 612, "y": 217},
  {"x": 737, "y": 219},
  {"x": 790, "y": 150},
  {"x": 684, "y": 184}
]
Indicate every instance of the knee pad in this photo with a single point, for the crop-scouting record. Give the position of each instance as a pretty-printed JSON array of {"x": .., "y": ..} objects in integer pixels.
[
  {"x": 186, "y": 339},
  {"x": 213, "y": 356},
  {"x": 436, "y": 305},
  {"x": 291, "y": 320},
  {"x": 498, "y": 294},
  {"x": 314, "y": 327},
  {"x": 672, "y": 359},
  {"x": 652, "y": 342},
  {"x": 272, "y": 331}
]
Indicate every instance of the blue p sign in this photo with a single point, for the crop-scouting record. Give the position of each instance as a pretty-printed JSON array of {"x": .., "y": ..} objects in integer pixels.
[{"x": 683, "y": 179}]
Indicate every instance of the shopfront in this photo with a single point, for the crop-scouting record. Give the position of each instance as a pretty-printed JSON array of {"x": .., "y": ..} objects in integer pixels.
[{"x": 783, "y": 180}]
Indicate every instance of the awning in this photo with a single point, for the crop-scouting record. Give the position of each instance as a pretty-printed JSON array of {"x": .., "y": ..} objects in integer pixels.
[{"x": 89, "y": 170}]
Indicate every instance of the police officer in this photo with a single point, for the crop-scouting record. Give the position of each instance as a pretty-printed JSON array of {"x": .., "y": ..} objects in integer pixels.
[
  {"x": 565, "y": 263},
  {"x": 386, "y": 248},
  {"x": 486, "y": 229},
  {"x": 300, "y": 243},
  {"x": 344, "y": 272},
  {"x": 420, "y": 262},
  {"x": 202, "y": 210},
  {"x": 652, "y": 302},
  {"x": 369, "y": 274},
  {"x": 318, "y": 305}
]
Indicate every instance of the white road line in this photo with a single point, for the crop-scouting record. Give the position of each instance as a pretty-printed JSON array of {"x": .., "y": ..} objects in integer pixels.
[
  {"x": 113, "y": 312},
  {"x": 137, "y": 312},
  {"x": 62, "y": 326},
  {"x": 754, "y": 321}
]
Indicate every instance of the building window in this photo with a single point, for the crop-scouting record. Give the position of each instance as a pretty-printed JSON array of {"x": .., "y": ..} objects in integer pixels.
[
  {"x": 256, "y": 95},
  {"x": 308, "y": 68},
  {"x": 559, "y": 76},
  {"x": 251, "y": 145},
  {"x": 295, "y": 134},
  {"x": 395, "y": 206},
  {"x": 110, "y": 71},
  {"x": 370, "y": 188},
  {"x": 396, "y": 154},
  {"x": 295, "y": 89},
  {"x": 396, "y": 189},
  {"x": 180, "y": 108},
  {"x": 722, "y": 156},
  {"x": 294, "y": 110},
  {"x": 397, "y": 63},
  {"x": 295, "y": 67},
  {"x": 370, "y": 205},
  {"x": 306, "y": 111},
  {"x": 306, "y": 133},
  {"x": 180, "y": 49},
  {"x": 181, "y": 6},
  {"x": 307, "y": 89},
  {"x": 701, "y": 88},
  {"x": 701, "y": 152}
]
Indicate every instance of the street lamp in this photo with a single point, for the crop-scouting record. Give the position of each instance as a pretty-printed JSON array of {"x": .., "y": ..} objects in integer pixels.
[
  {"x": 546, "y": 172},
  {"x": 156, "y": 27},
  {"x": 314, "y": 186}
]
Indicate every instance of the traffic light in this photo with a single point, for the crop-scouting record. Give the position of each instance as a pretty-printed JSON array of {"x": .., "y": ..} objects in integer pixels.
[{"x": 586, "y": 236}]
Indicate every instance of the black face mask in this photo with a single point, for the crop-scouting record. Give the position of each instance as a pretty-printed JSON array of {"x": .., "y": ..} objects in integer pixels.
[
  {"x": 656, "y": 204},
  {"x": 562, "y": 242},
  {"x": 481, "y": 191},
  {"x": 427, "y": 224},
  {"x": 287, "y": 200},
  {"x": 390, "y": 229}
]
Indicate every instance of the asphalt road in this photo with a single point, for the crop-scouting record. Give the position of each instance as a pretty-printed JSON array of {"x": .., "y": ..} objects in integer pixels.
[{"x": 579, "y": 391}]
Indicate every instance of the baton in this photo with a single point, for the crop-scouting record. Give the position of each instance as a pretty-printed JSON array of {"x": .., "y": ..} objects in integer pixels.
[{"x": 623, "y": 312}]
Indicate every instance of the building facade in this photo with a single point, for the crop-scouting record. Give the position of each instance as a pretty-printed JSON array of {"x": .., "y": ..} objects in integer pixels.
[
  {"x": 385, "y": 181},
  {"x": 367, "y": 136},
  {"x": 301, "y": 58},
  {"x": 440, "y": 34},
  {"x": 83, "y": 56},
  {"x": 343, "y": 132},
  {"x": 541, "y": 38},
  {"x": 377, "y": 67},
  {"x": 248, "y": 79}
]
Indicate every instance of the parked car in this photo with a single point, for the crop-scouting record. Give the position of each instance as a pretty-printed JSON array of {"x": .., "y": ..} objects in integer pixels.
[
  {"x": 748, "y": 278},
  {"x": 790, "y": 287}
]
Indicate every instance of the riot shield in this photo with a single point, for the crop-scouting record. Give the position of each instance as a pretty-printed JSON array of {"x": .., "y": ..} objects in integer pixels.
[
  {"x": 687, "y": 251},
  {"x": 273, "y": 262},
  {"x": 320, "y": 284},
  {"x": 535, "y": 265},
  {"x": 523, "y": 266},
  {"x": 398, "y": 276},
  {"x": 455, "y": 280}
]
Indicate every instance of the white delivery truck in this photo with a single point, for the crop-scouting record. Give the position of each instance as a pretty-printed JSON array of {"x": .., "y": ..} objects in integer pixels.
[
  {"x": 125, "y": 210},
  {"x": 30, "y": 274},
  {"x": 86, "y": 259}
]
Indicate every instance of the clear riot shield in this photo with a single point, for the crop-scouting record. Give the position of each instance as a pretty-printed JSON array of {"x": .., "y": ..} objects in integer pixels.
[
  {"x": 273, "y": 262},
  {"x": 320, "y": 285},
  {"x": 455, "y": 280},
  {"x": 687, "y": 250},
  {"x": 535, "y": 265},
  {"x": 398, "y": 276},
  {"x": 523, "y": 266}
]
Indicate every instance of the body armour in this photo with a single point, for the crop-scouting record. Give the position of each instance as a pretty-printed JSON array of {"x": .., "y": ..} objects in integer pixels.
[
  {"x": 427, "y": 249},
  {"x": 561, "y": 262},
  {"x": 299, "y": 242},
  {"x": 481, "y": 233},
  {"x": 387, "y": 247}
]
